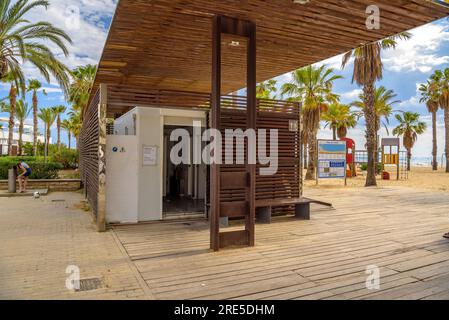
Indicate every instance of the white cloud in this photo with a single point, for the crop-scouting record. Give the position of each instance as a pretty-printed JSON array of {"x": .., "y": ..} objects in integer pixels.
[
  {"x": 420, "y": 53},
  {"x": 334, "y": 62},
  {"x": 50, "y": 90},
  {"x": 88, "y": 34},
  {"x": 413, "y": 103},
  {"x": 352, "y": 95}
]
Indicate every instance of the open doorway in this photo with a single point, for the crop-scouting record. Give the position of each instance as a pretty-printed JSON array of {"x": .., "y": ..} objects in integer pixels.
[{"x": 184, "y": 185}]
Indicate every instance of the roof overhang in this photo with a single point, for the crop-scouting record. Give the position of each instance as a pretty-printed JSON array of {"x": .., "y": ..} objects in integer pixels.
[{"x": 166, "y": 44}]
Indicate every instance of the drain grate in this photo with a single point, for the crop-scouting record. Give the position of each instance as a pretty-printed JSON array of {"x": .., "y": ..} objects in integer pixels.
[{"x": 90, "y": 284}]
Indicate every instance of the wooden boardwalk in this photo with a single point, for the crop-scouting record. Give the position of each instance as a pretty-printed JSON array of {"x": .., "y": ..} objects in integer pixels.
[{"x": 396, "y": 229}]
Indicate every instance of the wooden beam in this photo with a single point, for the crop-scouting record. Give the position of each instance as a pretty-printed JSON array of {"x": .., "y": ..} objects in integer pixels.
[
  {"x": 215, "y": 117},
  {"x": 247, "y": 208},
  {"x": 251, "y": 124}
]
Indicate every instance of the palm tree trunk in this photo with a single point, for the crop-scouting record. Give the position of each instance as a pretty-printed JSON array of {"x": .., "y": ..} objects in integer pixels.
[
  {"x": 312, "y": 156},
  {"x": 409, "y": 157},
  {"x": 59, "y": 132},
  {"x": 12, "y": 109},
  {"x": 10, "y": 131},
  {"x": 20, "y": 137},
  {"x": 45, "y": 145},
  {"x": 446, "y": 125},
  {"x": 35, "y": 123},
  {"x": 69, "y": 136},
  {"x": 306, "y": 150},
  {"x": 434, "y": 141},
  {"x": 370, "y": 118},
  {"x": 334, "y": 132}
]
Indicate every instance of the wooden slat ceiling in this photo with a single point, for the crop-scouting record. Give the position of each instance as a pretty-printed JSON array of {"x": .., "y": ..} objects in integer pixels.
[{"x": 166, "y": 44}]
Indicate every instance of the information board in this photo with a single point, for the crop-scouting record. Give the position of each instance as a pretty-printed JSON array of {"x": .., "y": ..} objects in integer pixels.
[
  {"x": 331, "y": 159},
  {"x": 149, "y": 156}
]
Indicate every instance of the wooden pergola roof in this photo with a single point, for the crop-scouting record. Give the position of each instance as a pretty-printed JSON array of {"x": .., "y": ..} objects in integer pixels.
[{"x": 166, "y": 44}]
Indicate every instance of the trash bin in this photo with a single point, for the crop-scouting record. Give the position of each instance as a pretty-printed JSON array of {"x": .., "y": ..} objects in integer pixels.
[
  {"x": 385, "y": 175},
  {"x": 12, "y": 181}
]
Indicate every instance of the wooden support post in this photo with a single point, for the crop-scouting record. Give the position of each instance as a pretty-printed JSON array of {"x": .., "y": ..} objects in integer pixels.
[
  {"x": 101, "y": 207},
  {"x": 302, "y": 211},
  {"x": 215, "y": 124},
  {"x": 263, "y": 215},
  {"x": 251, "y": 124},
  {"x": 244, "y": 29}
]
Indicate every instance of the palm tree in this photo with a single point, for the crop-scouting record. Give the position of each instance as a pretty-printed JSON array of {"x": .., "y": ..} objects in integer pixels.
[
  {"x": 23, "y": 40},
  {"x": 48, "y": 116},
  {"x": 313, "y": 86},
  {"x": 264, "y": 90},
  {"x": 58, "y": 110},
  {"x": 83, "y": 80},
  {"x": 34, "y": 86},
  {"x": 339, "y": 118},
  {"x": 383, "y": 108},
  {"x": 368, "y": 69},
  {"x": 349, "y": 122},
  {"x": 441, "y": 80},
  {"x": 429, "y": 96},
  {"x": 66, "y": 124},
  {"x": 76, "y": 124},
  {"x": 12, "y": 96},
  {"x": 409, "y": 127},
  {"x": 22, "y": 112}
]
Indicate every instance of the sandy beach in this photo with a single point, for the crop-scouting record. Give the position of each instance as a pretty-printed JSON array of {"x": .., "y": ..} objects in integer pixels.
[{"x": 420, "y": 177}]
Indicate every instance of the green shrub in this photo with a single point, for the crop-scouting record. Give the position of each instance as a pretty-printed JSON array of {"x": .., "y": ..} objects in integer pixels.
[
  {"x": 16, "y": 159},
  {"x": 39, "y": 169},
  {"x": 45, "y": 170},
  {"x": 67, "y": 157},
  {"x": 28, "y": 148},
  {"x": 364, "y": 167}
]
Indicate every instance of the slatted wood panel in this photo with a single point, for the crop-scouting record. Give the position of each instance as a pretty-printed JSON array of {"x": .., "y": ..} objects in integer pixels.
[
  {"x": 122, "y": 98},
  {"x": 166, "y": 44},
  {"x": 88, "y": 149},
  {"x": 271, "y": 114}
]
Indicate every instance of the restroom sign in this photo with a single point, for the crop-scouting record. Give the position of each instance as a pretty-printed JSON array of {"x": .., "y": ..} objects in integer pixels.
[{"x": 331, "y": 159}]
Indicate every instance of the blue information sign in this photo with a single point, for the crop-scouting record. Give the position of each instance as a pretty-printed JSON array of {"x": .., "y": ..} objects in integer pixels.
[{"x": 331, "y": 159}]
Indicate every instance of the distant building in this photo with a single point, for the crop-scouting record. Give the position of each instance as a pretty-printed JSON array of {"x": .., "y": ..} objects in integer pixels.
[{"x": 26, "y": 137}]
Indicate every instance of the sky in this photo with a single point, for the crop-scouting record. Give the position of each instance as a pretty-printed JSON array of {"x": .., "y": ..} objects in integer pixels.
[{"x": 406, "y": 67}]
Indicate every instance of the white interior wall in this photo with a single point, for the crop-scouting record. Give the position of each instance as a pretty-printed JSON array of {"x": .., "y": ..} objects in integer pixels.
[{"x": 150, "y": 132}]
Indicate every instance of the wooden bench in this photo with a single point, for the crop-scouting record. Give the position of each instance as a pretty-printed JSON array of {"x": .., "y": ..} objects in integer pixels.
[{"x": 302, "y": 207}]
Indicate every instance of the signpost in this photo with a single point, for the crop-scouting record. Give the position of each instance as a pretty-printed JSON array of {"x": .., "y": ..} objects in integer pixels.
[{"x": 331, "y": 160}]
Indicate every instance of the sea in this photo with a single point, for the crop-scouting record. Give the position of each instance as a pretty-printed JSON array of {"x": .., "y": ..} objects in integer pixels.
[{"x": 425, "y": 161}]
